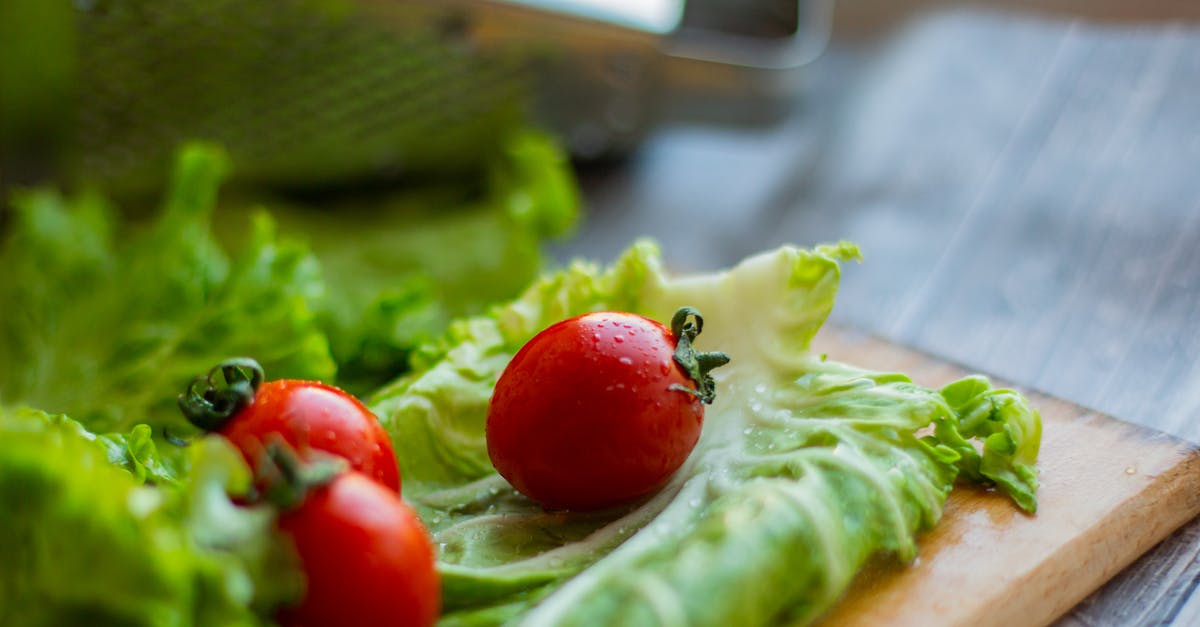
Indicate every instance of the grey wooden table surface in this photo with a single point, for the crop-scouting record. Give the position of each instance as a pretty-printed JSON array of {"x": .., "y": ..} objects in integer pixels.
[{"x": 1027, "y": 196}]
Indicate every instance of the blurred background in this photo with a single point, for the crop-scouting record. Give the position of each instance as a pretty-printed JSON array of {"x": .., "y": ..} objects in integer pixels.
[{"x": 1023, "y": 177}]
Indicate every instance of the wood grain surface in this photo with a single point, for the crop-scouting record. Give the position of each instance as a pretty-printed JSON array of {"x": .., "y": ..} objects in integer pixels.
[{"x": 1109, "y": 492}]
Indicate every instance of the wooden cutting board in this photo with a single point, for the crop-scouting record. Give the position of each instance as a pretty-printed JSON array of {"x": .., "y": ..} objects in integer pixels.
[{"x": 1109, "y": 492}]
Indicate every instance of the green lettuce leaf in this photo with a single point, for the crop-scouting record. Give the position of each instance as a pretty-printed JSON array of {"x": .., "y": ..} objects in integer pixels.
[
  {"x": 806, "y": 467},
  {"x": 404, "y": 263},
  {"x": 106, "y": 321},
  {"x": 83, "y": 541},
  {"x": 136, "y": 451}
]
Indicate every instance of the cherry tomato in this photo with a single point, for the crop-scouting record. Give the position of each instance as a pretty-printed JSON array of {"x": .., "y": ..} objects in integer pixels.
[
  {"x": 308, "y": 414},
  {"x": 598, "y": 409},
  {"x": 233, "y": 401},
  {"x": 367, "y": 558}
]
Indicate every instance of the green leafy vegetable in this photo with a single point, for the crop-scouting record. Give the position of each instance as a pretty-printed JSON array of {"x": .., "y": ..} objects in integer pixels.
[
  {"x": 84, "y": 542},
  {"x": 402, "y": 265},
  {"x": 806, "y": 467},
  {"x": 106, "y": 322},
  {"x": 136, "y": 451}
]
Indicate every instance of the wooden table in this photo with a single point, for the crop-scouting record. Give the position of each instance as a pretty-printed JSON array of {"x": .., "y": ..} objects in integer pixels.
[{"x": 1027, "y": 196}]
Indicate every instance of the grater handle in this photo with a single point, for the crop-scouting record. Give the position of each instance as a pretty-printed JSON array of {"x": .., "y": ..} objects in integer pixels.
[{"x": 708, "y": 71}]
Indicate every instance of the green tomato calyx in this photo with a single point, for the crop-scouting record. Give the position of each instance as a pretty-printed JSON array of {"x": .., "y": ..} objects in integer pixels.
[
  {"x": 211, "y": 400},
  {"x": 686, "y": 324},
  {"x": 286, "y": 479}
]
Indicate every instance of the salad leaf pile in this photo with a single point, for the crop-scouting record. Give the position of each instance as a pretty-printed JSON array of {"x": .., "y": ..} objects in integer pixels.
[
  {"x": 806, "y": 467},
  {"x": 83, "y": 541},
  {"x": 399, "y": 267},
  {"x": 103, "y": 322},
  {"x": 106, "y": 320}
]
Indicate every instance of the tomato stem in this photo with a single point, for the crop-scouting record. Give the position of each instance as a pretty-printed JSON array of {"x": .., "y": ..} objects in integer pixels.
[
  {"x": 686, "y": 324},
  {"x": 288, "y": 479},
  {"x": 211, "y": 400}
]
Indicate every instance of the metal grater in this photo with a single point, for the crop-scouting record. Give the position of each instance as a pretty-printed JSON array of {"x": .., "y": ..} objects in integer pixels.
[
  {"x": 300, "y": 92},
  {"x": 319, "y": 92}
]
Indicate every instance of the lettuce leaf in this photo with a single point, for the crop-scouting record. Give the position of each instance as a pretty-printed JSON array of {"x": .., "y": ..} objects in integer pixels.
[
  {"x": 806, "y": 467},
  {"x": 107, "y": 322},
  {"x": 83, "y": 541},
  {"x": 136, "y": 451},
  {"x": 403, "y": 264}
]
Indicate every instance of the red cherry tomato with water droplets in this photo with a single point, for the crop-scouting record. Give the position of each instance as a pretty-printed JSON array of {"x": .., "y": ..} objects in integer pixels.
[
  {"x": 234, "y": 401},
  {"x": 367, "y": 559},
  {"x": 594, "y": 411},
  {"x": 312, "y": 415}
]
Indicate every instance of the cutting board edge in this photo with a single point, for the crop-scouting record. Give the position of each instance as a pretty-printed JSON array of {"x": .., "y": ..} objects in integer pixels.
[{"x": 1182, "y": 482}]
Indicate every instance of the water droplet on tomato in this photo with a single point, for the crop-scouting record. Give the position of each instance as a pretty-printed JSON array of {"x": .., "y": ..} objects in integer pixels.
[
  {"x": 619, "y": 339},
  {"x": 626, "y": 361},
  {"x": 665, "y": 367}
]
